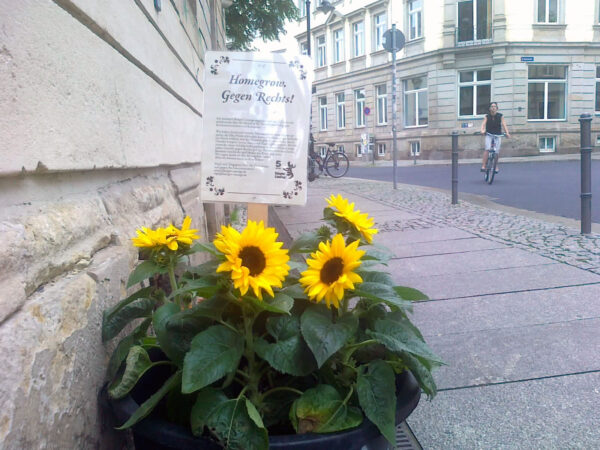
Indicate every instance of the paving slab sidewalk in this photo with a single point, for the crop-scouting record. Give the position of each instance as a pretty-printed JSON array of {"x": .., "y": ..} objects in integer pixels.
[{"x": 514, "y": 310}]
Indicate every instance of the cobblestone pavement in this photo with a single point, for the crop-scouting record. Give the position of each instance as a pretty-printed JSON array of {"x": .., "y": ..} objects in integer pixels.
[{"x": 548, "y": 239}]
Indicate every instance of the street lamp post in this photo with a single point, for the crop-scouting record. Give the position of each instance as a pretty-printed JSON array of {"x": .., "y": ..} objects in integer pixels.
[{"x": 324, "y": 7}]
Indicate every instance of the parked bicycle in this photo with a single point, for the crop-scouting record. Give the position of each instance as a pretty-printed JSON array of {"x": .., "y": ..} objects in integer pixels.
[
  {"x": 490, "y": 169},
  {"x": 334, "y": 163}
]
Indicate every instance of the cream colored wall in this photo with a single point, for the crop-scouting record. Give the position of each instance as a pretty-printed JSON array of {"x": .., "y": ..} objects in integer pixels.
[{"x": 100, "y": 123}]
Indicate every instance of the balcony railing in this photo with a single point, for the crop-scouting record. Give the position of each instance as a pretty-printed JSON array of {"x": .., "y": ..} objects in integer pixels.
[{"x": 470, "y": 36}]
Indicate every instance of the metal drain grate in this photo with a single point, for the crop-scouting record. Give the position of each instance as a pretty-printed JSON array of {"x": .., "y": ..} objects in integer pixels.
[{"x": 405, "y": 439}]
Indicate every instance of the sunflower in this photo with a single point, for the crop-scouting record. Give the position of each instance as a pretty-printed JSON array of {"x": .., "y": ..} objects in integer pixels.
[
  {"x": 361, "y": 221},
  {"x": 330, "y": 271},
  {"x": 165, "y": 237},
  {"x": 254, "y": 258},
  {"x": 185, "y": 235}
]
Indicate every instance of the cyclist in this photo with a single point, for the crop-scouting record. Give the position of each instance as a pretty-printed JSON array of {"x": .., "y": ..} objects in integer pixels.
[{"x": 493, "y": 123}]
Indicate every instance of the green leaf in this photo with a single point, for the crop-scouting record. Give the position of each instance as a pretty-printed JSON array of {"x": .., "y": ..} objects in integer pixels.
[
  {"x": 421, "y": 372},
  {"x": 376, "y": 388},
  {"x": 399, "y": 336},
  {"x": 211, "y": 308},
  {"x": 144, "y": 271},
  {"x": 289, "y": 353},
  {"x": 205, "y": 269},
  {"x": 280, "y": 304},
  {"x": 202, "y": 287},
  {"x": 254, "y": 414},
  {"x": 408, "y": 293},
  {"x": 381, "y": 292},
  {"x": 323, "y": 336},
  {"x": 122, "y": 349},
  {"x": 295, "y": 291},
  {"x": 376, "y": 252},
  {"x": 306, "y": 243},
  {"x": 172, "y": 348},
  {"x": 322, "y": 410},
  {"x": 297, "y": 265},
  {"x": 207, "y": 401},
  {"x": 204, "y": 247},
  {"x": 234, "y": 427},
  {"x": 147, "y": 407},
  {"x": 141, "y": 293},
  {"x": 113, "y": 324},
  {"x": 370, "y": 276},
  {"x": 136, "y": 364},
  {"x": 214, "y": 353}
]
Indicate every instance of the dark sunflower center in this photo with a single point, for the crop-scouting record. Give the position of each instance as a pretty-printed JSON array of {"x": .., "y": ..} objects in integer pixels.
[
  {"x": 332, "y": 270},
  {"x": 254, "y": 259}
]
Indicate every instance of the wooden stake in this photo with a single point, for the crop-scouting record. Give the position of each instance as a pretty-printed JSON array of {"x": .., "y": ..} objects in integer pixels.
[{"x": 258, "y": 212}]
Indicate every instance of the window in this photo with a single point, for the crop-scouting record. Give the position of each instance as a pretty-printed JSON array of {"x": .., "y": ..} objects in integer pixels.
[
  {"x": 547, "y": 144},
  {"x": 358, "y": 31},
  {"x": 340, "y": 108},
  {"x": 597, "y": 89},
  {"x": 415, "y": 19},
  {"x": 359, "y": 107},
  {"x": 547, "y": 92},
  {"x": 381, "y": 149},
  {"x": 415, "y": 102},
  {"x": 547, "y": 11},
  {"x": 381, "y": 104},
  {"x": 340, "y": 148},
  {"x": 338, "y": 45},
  {"x": 302, "y": 8},
  {"x": 474, "y": 20},
  {"x": 359, "y": 151},
  {"x": 321, "y": 56},
  {"x": 303, "y": 48},
  {"x": 474, "y": 92},
  {"x": 322, "y": 151},
  {"x": 415, "y": 148},
  {"x": 322, "y": 113},
  {"x": 380, "y": 28}
]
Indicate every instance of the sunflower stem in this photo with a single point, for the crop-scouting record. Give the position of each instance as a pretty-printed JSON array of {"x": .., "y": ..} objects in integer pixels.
[
  {"x": 253, "y": 371},
  {"x": 350, "y": 349},
  {"x": 281, "y": 388},
  {"x": 173, "y": 282}
]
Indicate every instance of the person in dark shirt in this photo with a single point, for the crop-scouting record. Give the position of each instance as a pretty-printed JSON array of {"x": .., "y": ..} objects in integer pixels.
[{"x": 493, "y": 123}]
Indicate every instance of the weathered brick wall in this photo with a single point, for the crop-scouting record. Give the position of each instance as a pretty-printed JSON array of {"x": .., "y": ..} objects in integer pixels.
[{"x": 100, "y": 131}]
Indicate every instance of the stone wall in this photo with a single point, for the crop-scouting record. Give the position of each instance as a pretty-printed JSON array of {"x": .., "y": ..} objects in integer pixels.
[{"x": 100, "y": 127}]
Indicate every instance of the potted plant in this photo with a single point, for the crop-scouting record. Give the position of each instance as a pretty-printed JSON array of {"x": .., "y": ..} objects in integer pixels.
[{"x": 253, "y": 349}]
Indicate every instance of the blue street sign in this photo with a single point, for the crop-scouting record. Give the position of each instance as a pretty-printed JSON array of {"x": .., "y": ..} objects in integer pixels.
[
  {"x": 367, "y": 110},
  {"x": 526, "y": 58}
]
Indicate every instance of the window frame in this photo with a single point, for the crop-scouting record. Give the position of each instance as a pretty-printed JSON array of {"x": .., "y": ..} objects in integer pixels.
[
  {"x": 547, "y": 14},
  {"x": 338, "y": 51},
  {"x": 381, "y": 145},
  {"x": 302, "y": 9},
  {"x": 475, "y": 84},
  {"x": 323, "y": 113},
  {"x": 358, "y": 148},
  {"x": 475, "y": 39},
  {"x": 547, "y": 137},
  {"x": 340, "y": 106},
  {"x": 359, "y": 112},
  {"x": 321, "y": 51},
  {"x": 304, "y": 48},
  {"x": 356, "y": 33},
  {"x": 340, "y": 148},
  {"x": 415, "y": 12},
  {"x": 381, "y": 103},
  {"x": 546, "y": 81},
  {"x": 417, "y": 93},
  {"x": 411, "y": 148},
  {"x": 378, "y": 30}
]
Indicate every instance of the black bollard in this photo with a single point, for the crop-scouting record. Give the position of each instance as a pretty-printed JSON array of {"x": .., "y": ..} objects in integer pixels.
[
  {"x": 586, "y": 173},
  {"x": 454, "y": 167}
]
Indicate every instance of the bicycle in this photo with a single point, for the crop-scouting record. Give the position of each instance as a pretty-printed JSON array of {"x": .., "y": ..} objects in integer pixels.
[
  {"x": 335, "y": 164},
  {"x": 492, "y": 161}
]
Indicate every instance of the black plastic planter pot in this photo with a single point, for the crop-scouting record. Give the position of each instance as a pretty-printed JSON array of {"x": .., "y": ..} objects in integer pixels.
[{"x": 155, "y": 433}]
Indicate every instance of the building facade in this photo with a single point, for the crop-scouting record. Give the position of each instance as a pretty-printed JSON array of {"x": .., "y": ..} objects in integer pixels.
[{"x": 539, "y": 59}]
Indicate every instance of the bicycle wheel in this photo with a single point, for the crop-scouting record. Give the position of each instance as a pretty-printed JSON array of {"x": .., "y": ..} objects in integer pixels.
[
  {"x": 337, "y": 164},
  {"x": 493, "y": 168}
]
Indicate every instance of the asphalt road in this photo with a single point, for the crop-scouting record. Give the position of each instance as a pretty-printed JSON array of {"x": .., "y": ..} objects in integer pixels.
[{"x": 550, "y": 187}]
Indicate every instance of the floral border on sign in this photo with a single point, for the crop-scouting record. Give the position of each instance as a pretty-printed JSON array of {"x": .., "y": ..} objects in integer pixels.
[
  {"x": 221, "y": 60},
  {"x": 295, "y": 64},
  {"x": 210, "y": 182},
  {"x": 292, "y": 193}
]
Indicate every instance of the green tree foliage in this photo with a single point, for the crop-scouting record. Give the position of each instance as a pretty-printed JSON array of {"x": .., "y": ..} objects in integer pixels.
[{"x": 248, "y": 19}]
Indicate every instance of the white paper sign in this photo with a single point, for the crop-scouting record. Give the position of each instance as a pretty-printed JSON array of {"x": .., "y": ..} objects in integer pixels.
[{"x": 256, "y": 127}]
